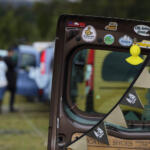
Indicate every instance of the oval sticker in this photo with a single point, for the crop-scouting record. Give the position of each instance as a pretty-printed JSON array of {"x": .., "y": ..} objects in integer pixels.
[
  {"x": 89, "y": 34},
  {"x": 125, "y": 41},
  {"x": 142, "y": 30}
]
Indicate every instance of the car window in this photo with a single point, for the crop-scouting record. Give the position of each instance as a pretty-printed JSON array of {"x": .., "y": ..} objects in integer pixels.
[
  {"x": 89, "y": 90},
  {"x": 27, "y": 60},
  {"x": 117, "y": 71},
  {"x": 129, "y": 120}
]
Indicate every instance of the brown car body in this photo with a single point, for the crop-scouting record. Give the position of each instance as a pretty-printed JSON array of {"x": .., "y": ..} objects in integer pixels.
[{"x": 69, "y": 41}]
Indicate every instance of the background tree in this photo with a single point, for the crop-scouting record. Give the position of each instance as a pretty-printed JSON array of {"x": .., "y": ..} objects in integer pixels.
[{"x": 38, "y": 23}]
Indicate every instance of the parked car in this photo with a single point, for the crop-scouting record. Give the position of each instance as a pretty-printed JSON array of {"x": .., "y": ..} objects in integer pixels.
[
  {"x": 34, "y": 71},
  {"x": 46, "y": 69},
  {"x": 28, "y": 58}
]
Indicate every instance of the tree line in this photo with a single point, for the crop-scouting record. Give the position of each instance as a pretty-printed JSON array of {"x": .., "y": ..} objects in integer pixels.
[{"x": 38, "y": 23}]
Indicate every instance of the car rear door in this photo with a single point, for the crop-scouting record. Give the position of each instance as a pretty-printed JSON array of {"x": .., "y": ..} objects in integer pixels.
[{"x": 91, "y": 94}]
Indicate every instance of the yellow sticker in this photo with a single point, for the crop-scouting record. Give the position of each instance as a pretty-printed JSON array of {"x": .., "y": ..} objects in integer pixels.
[
  {"x": 112, "y": 26},
  {"x": 134, "y": 59},
  {"x": 144, "y": 44}
]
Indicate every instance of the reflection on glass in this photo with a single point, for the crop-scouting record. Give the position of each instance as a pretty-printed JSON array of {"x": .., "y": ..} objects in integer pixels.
[
  {"x": 105, "y": 78},
  {"x": 27, "y": 60},
  {"x": 99, "y": 79}
]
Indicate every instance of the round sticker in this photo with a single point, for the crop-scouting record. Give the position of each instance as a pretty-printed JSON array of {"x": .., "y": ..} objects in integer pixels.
[
  {"x": 109, "y": 39},
  {"x": 89, "y": 34}
]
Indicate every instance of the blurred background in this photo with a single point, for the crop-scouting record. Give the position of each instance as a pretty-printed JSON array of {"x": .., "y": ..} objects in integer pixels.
[
  {"x": 35, "y": 20},
  {"x": 29, "y": 27}
]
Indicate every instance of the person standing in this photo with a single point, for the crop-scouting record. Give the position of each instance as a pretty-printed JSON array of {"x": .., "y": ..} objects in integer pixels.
[
  {"x": 11, "y": 75},
  {"x": 3, "y": 81}
]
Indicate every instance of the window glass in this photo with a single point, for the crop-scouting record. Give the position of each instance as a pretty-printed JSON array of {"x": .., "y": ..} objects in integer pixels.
[
  {"x": 99, "y": 79},
  {"x": 117, "y": 72},
  {"x": 27, "y": 60}
]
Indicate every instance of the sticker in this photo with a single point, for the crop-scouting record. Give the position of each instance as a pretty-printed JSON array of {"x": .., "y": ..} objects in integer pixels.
[
  {"x": 99, "y": 133},
  {"x": 109, "y": 39},
  {"x": 116, "y": 117},
  {"x": 144, "y": 44},
  {"x": 132, "y": 99},
  {"x": 142, "y": 30},
  {"x": 119, "y": 144},
  {"x": 112, "y": 26},
  {"x": 125, "y": 41},
  {"x": 71, "y": 28},
  {"x": 76, "y": 24},
  {"x": 89, "y": 34}
]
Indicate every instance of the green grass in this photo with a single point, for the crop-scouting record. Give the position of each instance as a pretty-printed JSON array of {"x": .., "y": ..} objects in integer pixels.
[{"x": 26, "y": 129}]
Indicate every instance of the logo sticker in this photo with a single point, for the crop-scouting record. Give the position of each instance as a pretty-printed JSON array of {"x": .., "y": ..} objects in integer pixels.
[
  {"x": 131, "y": 98},
  {"x": 125, "y": 41},
  {"x": 109, "y": 39},
  {"x": 144, "y": 44},
  {"x": 99, "y": 133},
  {"x": 142, "y": 30},
  {"x": 112, "y": 26},
  {"x": 89, "y": 34}
]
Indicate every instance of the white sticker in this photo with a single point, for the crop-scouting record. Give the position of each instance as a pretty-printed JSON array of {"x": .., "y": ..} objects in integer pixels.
[
  {"x": 142, "y": 30},
  {"x": 99, "y": 133},
  {"x": 131, "y": 98},
  {"x": 89, "y": 34},
  {"x": 125, "y": 41}
]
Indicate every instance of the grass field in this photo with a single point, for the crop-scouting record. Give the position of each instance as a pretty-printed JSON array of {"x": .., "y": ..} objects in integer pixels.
[{"x": 26, "y": 129}]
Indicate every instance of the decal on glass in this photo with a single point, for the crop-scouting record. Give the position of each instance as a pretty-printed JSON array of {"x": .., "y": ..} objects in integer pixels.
[
  {"x": 99, "y": 133},
  {"x": 132, "y": 99}
]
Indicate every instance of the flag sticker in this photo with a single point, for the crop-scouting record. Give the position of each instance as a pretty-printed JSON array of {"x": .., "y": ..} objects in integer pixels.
[
  {"x": 99, "y": 133},
  {"x": 132, "y": 99}
]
